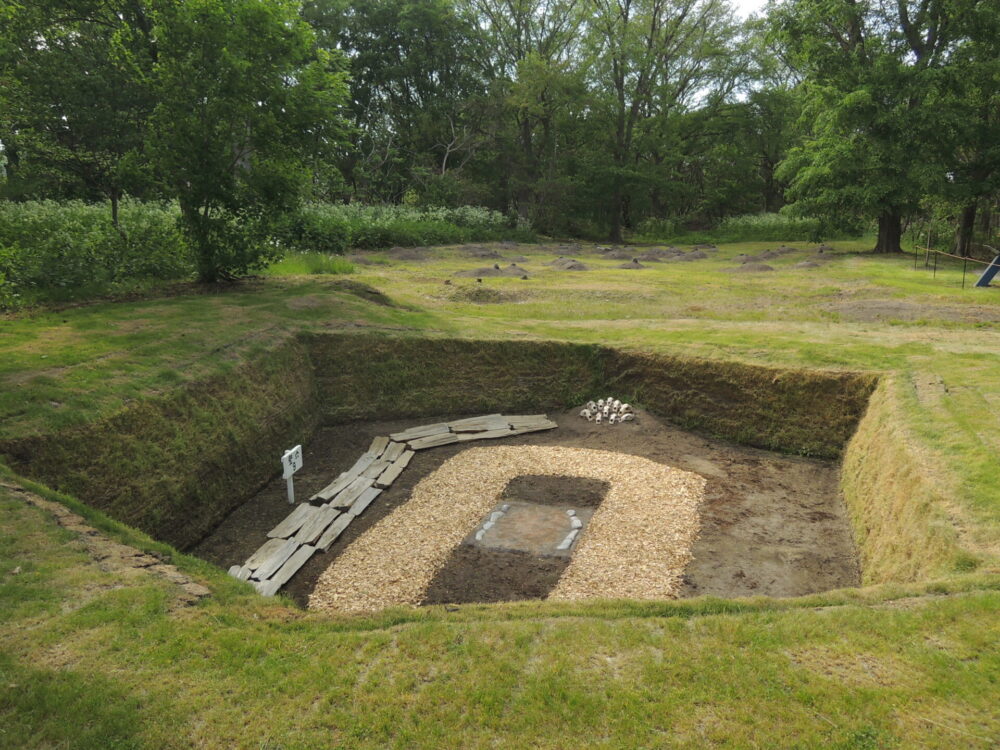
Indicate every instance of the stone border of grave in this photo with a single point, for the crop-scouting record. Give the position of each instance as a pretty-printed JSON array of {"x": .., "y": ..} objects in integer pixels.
[
  {"x": 314, "y": 528},
  {"x": 636, "y": 545}
]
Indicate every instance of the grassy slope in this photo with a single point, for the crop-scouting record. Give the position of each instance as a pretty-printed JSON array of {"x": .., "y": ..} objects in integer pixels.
[{"x": 241, "y": 672}]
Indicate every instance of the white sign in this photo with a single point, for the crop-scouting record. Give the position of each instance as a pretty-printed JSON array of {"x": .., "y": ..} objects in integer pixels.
[{"x": 291, "y": 462}]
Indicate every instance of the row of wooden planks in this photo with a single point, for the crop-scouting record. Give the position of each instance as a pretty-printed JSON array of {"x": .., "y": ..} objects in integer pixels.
[{"x": 311, "y": 528}]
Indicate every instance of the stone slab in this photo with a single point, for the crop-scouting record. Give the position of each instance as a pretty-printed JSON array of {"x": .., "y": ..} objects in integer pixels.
[
  {"x": 391, "y": 474},
  {"x": 263, "y": 552},
  {"x": 378, "y": 446},
  {"x": 394, "y": 451},
  {"x": 351, "y": 492},
  {"x": 487, "y": 435},
  {"x": 292, "y": 565},
  {"x": 419, "y": 432}
]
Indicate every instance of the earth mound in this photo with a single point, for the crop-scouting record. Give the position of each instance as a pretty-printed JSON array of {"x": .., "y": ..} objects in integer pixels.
[
  {"x": 567, "y": 264},
  {"x": 632, "y": 265},
  {"x": 750, "y": 268},
  {"x": 511, "y": 271}
]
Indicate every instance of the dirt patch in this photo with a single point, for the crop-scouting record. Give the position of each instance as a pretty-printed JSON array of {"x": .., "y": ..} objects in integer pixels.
[
  {"x": 475, "y": 574},
  {"x": 364, "y": 291},
  {"x": 111, "y": 556},
  {"x": 771, "y": 524},
  {"x": 408, "y": 253},
  {"x": 481, "y": 252},
  {"x": 496, "y": 270},
  {"x": 571, "y": 492},
  {"x": 482, "y": 295},
  {"x": 684, "y": 257},
  {"x": 878, "y": 310}
]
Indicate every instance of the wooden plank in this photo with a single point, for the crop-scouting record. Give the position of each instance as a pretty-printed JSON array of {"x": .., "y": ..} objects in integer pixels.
[
  {"x": 488, "y": 435},
  {"x": 391, "y": 474},
  {"x": 418, "y": 432},
  {"x": 266, "y": 570},
  {"x": 346, "y": 478},
  {"x": 335, "y": 530},
  {"x": 432, "y": 441},
  {"x": 394, "y": 451},
  {"x": 375, "y": 469},
  {"x": 311, "y": 531},
  {"x": 292, "y": 522},
  {"x": 263, "y": 552},
  {"x": 291, "y": 567},
  {"x": 535, "y": 428},
  {"x": 464, "y": 425},
  {"x": 351, "y": 492},
  {"x": 378, "y": 446},
  {"x": 359, "y": 505}
]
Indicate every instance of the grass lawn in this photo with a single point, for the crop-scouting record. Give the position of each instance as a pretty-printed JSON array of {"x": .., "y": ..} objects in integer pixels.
[{"x": 89, "y": 659}]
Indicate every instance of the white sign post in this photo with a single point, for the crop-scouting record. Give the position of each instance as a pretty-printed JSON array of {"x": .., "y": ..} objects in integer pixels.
[{"x": 291, "y": 462}]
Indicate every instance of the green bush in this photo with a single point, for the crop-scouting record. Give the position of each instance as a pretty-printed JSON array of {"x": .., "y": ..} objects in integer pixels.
[
  {"x": 51, "y": 249},
  {"x": 333, "y": 228},
  {"x": 745, "y": 228}
]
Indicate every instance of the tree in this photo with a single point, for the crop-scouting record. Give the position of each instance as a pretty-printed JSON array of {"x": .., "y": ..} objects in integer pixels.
[
  {"x": 73, "y": 106},
  {"x": 245, "y": 101},
  {"x": 649, "y": 59},
  {"x": 870, "y": 72}
]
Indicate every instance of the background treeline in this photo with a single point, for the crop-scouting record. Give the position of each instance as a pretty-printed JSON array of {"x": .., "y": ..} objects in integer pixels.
[{"x": 253, "y": 119}]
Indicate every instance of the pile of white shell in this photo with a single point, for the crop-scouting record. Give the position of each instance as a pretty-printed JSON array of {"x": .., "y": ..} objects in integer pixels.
[{"x": 607, "y": 411}]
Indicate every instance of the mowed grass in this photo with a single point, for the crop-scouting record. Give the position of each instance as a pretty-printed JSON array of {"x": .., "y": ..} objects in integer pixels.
[{"x": 89, "y": 660}]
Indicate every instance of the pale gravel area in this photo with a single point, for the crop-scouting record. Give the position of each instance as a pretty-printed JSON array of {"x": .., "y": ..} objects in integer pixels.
[{"x": 636, "y": 545}]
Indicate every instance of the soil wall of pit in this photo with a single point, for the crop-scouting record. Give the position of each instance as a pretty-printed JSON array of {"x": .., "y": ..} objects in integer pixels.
[{"x": 175, "y": 465}]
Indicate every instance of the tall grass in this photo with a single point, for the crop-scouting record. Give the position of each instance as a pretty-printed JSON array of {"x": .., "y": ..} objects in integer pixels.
[
  {"x": 313, "y": 264},
  {"x": 767, "y": 227}
]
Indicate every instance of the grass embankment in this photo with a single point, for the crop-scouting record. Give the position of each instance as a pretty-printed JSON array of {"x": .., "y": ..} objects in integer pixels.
[{"x": 88, "y": 662}]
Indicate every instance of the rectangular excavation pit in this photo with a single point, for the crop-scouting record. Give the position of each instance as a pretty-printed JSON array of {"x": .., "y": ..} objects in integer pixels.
[{"x": 215, "y": 443}]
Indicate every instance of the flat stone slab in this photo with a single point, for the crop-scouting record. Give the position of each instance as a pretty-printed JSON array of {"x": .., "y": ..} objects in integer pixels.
[
  {"x": 473, "y": 423},
  {"x": 487, "y": 435},
  {"x": 378, "y": 446},
  {"x": 290, "y": 568},
  {"x": 394, "y": 451},
  {"x": 263, "y": 552},
  {"x": 536, "y": 528},
  {"x": 391, "y": 474},
  {"x": 351, "y": 492},
  {"x": 312, "y": 529}
]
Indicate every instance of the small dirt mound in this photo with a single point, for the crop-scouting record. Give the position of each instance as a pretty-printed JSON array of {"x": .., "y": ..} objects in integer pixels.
[
  {"x": 365, "y": 292},
  {"x": 484, "y": 295},
  {"x": 693, "y": 255},
  {"x": 567, "y": 264},
  {"x": 511, "y": 271},
  {"x": 750, "y": 268},
  {"x": 650, "y": 258},
  {"x": 617, "y": 254},
  {"x": 706, "y": 246},
  {"x": 807, "y": 264},
  {"x": 408, "y": 253},
  {"x": 824, "y": 248},
  {"x": 632, "y": 265},
  {"x": 663, "y": 252},
  {"x": 481, "y": 252}
]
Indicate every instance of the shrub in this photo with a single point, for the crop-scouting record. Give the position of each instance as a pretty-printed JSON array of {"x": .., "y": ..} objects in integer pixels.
[
  {"x": 60, "y": 249},
  {"x": 333, "y": 228}
]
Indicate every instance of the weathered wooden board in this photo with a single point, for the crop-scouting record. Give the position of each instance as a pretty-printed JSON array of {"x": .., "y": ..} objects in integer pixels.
[
  {"x": 392, "y": 473},
  {"x": 472, "y": 424},
  {"x": 244, "y": 574},
  {"x": 394, "y": 451},
  {"x": 375, "y": 469},
  {"x": 432, "y": 441},
  {"x": 418, "y": 432},
  {"x": 338, "y": 484},
  {"x": 334, "y": 487},
  {"x": 293, "y": 521},
  {"x": 351, "y": 492},
  {"x": 278, "y": 559},
  {"x": 291, "y": 567},
  {"x": 487, "y": 435},
  {"x": 312, "y": 529},
  {"x": 263, "y": 552},
  {"x": 534, "y": 428},
  {"x": 335, "y": 530},
  {"x": 378, "y": 445},
  {"x": 519, "y": 421},
  {"x": 365, "y": 499}
]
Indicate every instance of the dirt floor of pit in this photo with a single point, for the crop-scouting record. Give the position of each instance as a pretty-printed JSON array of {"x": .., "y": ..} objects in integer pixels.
[{"x": 772, "y": 524}]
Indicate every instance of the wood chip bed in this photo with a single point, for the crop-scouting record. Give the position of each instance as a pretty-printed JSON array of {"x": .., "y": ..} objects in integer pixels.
[{"x": 635, "y": 546}]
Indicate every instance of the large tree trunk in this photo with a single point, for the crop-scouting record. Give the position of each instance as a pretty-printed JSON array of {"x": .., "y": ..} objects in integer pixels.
[
  {"x": 966, "y": 228},
  {"x": 890, "y": 233}
]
